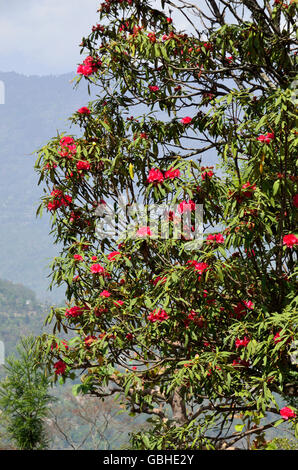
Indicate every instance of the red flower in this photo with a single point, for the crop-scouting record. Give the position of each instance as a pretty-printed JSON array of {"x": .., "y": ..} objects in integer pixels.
[
  {"x": 153, "y": 88},
  {"x": 287, "y": 413},
  {"x": 66, "y": 141},
  {"x": 199, "y": 267},
  {"x": 152, "y": 37},
  {"x": 64, "y": 344},
  {"x": 186, "y": 120},
  {"x": 290, "y": 240},
  {"x": 193, "y": 317},
  {"x": 207, "y": 173},
  {"x": 84, "y": 110},
  {"x": 172, "y": 174},
  {"x": 242, "y": 343},
  {"x": 97, "y": 269},
  {"x": 143, "y": 135},
  {"x": 89, "y": 340},
  {"x": 98, "y": 27},
  {"x": 144, "y": 231},
  {"x": 218, "y": 238},
  {"x": 74, "y": 312},
  {"x": 78, "y": 257},
  {"x": 251, "y": 187},
  {"x": 157, "y": 315},
  {"x": 169, "y": 20},
  {"x": 89, "y": 66},
  {"x": 60, "y": 367},
  {"x": 50, "y": 166},
  {"x": 68, "y": 146},
  {"x": 118, "y": 303},
  {"x": 240, "y": 309},
  {"x": 105, "y": 293},
  {"x": 59, "y": 199},
  {"x": 185, "y": 206},
  {"x": 129, "y": 336},
  {"x": 112, "y": 256},
  {"x": 277, "y": 338},
  {"x": 155, "y": 176},
  {"x": 240, "y": 363},
  {"x": 159, "y": 279},
  {"x": 266, "y": 138},
  {"x": 295, "y": 200},
  {"x": 82, "y": 165},
  {"x": 208, "y": 46}
]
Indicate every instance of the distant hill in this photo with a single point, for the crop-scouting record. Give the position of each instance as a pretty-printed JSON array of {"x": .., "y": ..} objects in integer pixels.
[
  {"x": 21, "y": 314},
  {"x": 34, "y": 109},
  {"x": 16, "y": 298}
]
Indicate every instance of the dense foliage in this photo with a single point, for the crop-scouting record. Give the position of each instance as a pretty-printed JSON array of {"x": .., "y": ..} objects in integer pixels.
[
  {"x": 201, "y": 339},
  {"x": 24, "y": 398}
]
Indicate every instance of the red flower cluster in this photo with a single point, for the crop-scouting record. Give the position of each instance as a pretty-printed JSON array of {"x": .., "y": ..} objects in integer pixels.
[
  {"x": 250, "y": 187},
  {"x": 114, "y": 255},
  {"x": 242, "y": 343},
  {"x": 277, "y": 338},
  {"x": 78, "y": 257},
  {"x": 218, "y": 238},
  {"x": 153, "y": 88},
  {"x": 287, "y": 413},
  {"x": 68, "y": 147},
  {"x": 152, "y": 37},
  {"x": 74, "y": 312},
  {"x": 208, "y": 174},
  {"x": 266, "y": 138},
  {"x": 290, "y": 240},
  {"x": 185, "y": 206},
  {"x": 159, "y": 279},
  {"x": 208, "y": 46},
  {"x": 97, "y": 269},
  {"x": 157, "y": 315},
  {"x": 193, "y": 317},
  {"x": 89, "y": 66},
  {"x": 241, "y": 308},
  {"x": 84, "y": 110},
  {"x": 89, "y": 340},
  {"x": 60, "y": 367},
  {"x": 105, "y": 294},
  {"x": 156, "y": 176},
  {"x": 82, "y": 165},
  {"x": 59, "y": 199},
  {"x": 186, "y": 120},
  {"x": 240, "y": 363},
  {"x": 199, "y": 267},
  {"x": 144, "y": 231},
  {"x": 98, "y": 27},
  {"x": 172, "y": 174},
  {"x": 64, "y": 344}
]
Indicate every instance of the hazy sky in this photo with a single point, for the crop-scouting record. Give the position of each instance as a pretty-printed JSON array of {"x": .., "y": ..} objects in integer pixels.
[{"x": 42, "y": 36}]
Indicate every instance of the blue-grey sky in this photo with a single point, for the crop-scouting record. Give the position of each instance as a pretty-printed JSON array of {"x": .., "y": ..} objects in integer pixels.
[{"x": 42, "y": 36}]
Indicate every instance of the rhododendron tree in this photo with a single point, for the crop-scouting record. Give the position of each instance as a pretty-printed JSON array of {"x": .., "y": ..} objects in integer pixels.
[{"x": 197, "y": 337}]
